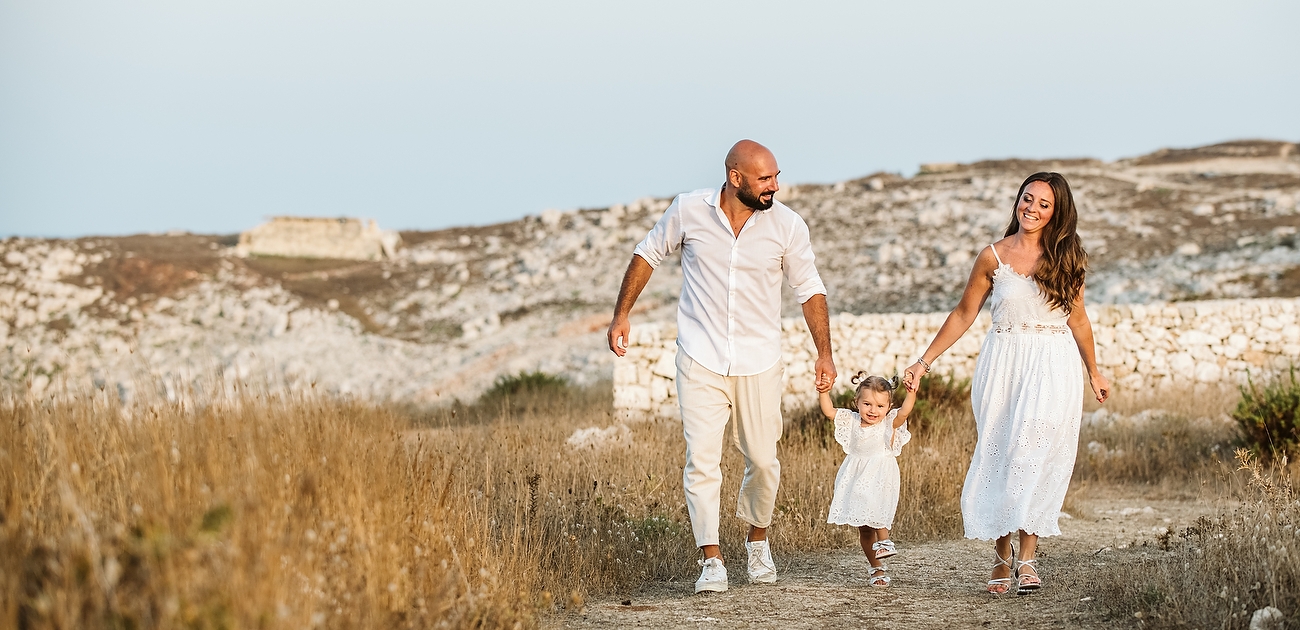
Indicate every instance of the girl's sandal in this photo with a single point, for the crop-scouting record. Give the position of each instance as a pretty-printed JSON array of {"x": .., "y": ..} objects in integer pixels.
[
  {"x": 884, "y": 549},
  {"x": 878, "y": 577},
  {"x": 1001, "y": 586},
  {"x": 1027, "y": 583}
]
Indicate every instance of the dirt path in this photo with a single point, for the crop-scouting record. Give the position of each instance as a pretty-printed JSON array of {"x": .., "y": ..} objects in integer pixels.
[{"x": 936, "y": 585}]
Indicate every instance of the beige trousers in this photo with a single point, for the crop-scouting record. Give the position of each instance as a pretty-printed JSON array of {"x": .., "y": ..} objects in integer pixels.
[{"x": 708, "y": 401}]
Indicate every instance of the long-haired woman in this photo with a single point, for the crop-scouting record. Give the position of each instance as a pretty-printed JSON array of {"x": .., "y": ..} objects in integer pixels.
[{"x": 1027, "y": 390}]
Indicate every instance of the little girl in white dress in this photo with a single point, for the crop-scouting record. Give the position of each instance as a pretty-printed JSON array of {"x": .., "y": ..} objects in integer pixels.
[{"x": 866, "y": 487}]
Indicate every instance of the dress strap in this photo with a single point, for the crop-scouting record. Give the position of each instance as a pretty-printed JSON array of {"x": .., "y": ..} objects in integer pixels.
[{"x": 995, "y": 253}]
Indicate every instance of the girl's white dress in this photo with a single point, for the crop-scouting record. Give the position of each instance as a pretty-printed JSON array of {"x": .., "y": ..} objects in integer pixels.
[
  {"x": 866, "y": 488},
  {"x": 1027, "y": 394}
]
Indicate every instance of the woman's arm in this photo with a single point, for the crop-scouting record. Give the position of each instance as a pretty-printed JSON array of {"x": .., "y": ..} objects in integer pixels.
[
  {"x": 828, "y": 407},
  {"x": 1082, "y": 330},
  {"x": 961, "y": 317},
  {"x": 908, "y": 402}
]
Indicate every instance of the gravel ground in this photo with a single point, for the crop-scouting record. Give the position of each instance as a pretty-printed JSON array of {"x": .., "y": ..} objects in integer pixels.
[{"x": 935, "y": 584}]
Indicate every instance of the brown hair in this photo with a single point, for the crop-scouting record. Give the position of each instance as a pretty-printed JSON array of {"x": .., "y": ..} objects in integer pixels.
[
  {"x": 1064, "y": 263},
  {"x": 874, "y": 384}
]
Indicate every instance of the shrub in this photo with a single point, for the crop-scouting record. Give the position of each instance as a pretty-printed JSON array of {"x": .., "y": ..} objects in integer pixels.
[
  {"x": 1268, "y": 416},
  {"x": 938, "y": 398},
  {"x": 508, "y": 385}
]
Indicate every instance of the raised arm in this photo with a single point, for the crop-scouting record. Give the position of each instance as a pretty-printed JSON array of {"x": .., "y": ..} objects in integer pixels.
[
  {"x": 634, "y": 280},
  {"x": 1082, "y": 330},
  {"x": 827, "y": 405},
  {"x": 909, "y": 401},
  {"x": 960, "y": 319}
]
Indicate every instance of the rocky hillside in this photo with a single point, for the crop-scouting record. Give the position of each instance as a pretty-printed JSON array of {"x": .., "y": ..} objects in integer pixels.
[{"x": 183, "y": 315}]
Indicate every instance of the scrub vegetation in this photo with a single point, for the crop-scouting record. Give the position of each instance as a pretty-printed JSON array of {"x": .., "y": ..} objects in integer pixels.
[{"x": 300, "y": 512}]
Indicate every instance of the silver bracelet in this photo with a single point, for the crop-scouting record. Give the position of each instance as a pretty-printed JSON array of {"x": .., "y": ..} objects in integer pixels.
[{"x": 925, "y": 364}]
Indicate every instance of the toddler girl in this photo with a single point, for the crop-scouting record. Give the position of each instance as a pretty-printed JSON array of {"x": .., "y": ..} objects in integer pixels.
[{"x": 866, "y": 487}]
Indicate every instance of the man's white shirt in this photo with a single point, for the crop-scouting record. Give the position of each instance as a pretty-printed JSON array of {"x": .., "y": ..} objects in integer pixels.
[{"x": 729, "y": 315}]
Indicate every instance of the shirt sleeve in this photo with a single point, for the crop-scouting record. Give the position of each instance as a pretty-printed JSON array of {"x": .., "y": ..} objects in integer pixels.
[
  {"x": 664, "y": 238},
  {"x": 899, "y": 436},
  {"x": 800, "y": 270},
  {"x": 845, "y": 420}
]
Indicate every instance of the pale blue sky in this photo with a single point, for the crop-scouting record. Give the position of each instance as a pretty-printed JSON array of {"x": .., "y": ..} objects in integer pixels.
[{"x": 145, "y": 116}]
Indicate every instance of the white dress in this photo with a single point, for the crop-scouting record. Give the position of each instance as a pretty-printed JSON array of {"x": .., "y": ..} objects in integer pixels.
[
  {"x": 866, "y": 487},
  {"x": 1027, "y": 394}
]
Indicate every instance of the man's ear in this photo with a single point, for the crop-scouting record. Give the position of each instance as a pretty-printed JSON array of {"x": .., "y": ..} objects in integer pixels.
[{"x": 734, "y": 178}]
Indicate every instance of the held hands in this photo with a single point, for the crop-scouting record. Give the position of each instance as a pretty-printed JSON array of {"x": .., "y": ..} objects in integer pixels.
[
  {"x": 825, "y": 370},
  {"x": 1100, "y": 386},
  {"x": 912, "y": 376},
  {"x": 619, "y": 330}
]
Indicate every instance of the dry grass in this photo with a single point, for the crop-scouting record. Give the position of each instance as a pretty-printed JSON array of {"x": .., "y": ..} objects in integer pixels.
[
  {"x": 296, "y": 513},
  {"x": 1221, "y": 570},
  {"x": 271, "y": 513}
]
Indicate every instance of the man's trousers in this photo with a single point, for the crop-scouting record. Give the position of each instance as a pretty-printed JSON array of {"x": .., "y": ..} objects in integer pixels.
[{"x": 753, "y": 405}]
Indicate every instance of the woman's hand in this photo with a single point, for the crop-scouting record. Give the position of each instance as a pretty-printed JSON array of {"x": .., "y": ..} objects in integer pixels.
[
  {"x": 1100, "y": 386},
  {"x": 912, "y": 376}
]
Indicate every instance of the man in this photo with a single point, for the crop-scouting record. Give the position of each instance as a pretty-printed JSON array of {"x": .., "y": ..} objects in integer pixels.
[{"x": 736, "y": 244}]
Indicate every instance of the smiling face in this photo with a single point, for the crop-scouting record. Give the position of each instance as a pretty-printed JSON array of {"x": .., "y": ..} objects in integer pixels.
[
  {"x": 873, "y": 406},
  {"x": 1035, "y": 208},
  {"x": 752, "y": 172}
]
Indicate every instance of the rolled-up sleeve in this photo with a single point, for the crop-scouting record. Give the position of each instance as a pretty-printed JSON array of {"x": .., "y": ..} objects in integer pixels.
[
  {"x": 800, "y": 270},
  {"x": 664, "y": 238}
]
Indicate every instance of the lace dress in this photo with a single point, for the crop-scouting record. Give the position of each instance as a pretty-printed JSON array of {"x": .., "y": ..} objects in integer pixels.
[
  {"x": 866, "y": 487},
  {"x": 1027, "y": 394}
]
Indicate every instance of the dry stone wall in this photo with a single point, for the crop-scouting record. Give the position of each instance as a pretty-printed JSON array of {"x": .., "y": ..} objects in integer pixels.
[{"x": 1137, "y": 346}]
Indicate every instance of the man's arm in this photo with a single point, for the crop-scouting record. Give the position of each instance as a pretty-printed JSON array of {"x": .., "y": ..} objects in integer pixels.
[
  {"x": 819, "y": 324},
  {"x": 634, "y": 280}
]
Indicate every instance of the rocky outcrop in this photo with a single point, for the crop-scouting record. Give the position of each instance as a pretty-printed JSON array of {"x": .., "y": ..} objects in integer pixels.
[
  {"x": 453, "y": 309},
  {"x": 309, "y": 237},
  {"x": 1138, "y": 346}
]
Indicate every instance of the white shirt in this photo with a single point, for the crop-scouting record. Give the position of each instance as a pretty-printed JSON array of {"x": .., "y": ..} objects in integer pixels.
[{"x": 729, "y": 315}]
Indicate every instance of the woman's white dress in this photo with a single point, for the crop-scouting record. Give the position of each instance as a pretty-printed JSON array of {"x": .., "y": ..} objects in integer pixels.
[
  {"x": 866, "y": 487},
  {"x": 1027, "y": 394}
]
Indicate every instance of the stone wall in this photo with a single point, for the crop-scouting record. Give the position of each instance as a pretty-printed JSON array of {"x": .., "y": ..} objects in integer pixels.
[
  {"x": 1137, "y": 346},
  {"x": 306, "y": 237}
]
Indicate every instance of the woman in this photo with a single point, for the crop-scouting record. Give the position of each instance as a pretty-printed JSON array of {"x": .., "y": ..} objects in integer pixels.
[{"x": 1027, "y": 391}]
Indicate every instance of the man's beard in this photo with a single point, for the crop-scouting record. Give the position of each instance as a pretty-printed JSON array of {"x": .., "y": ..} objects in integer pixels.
[{"x": 746, "y": 196}]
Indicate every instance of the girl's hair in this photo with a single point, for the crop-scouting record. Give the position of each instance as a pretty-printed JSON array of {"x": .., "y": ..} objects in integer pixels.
[
  {"x": 1060, "y": 271},
  {"x": 867, "y": 382}
]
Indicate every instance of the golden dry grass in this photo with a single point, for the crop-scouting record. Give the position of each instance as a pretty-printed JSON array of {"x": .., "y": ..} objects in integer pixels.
[
  {"x": 1219, "y": 571},
  {"x": 295, "y": 513}
]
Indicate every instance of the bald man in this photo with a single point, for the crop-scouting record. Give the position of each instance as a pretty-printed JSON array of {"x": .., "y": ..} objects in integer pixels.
[{"x": 736, "y": 245}]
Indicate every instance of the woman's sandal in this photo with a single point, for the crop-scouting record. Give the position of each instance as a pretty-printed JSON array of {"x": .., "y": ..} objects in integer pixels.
[
  {"x": 884, "y": 549},
  {"x": 1027, "y": 583},
  {"x": 878, "y": 576},
  {"x": 1000, "y": 586}
]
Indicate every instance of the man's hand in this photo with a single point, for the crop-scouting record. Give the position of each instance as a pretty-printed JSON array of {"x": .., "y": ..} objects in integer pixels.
[
  {"x": 634, "y": 279},
  {"x": 825, "y": 368},
  {"x": 619, "y": 330}
]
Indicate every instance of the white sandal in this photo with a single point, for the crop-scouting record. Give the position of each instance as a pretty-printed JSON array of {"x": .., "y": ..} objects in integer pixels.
[
  {"x": 878, "y": 576},
  {"x": 1027, "y": 583},
  {"x": 1001, "y": 586},
  {"x": 884, "y": 549}
]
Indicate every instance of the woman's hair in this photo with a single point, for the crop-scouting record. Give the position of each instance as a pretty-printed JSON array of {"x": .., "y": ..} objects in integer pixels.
[
  {"x": 874, "y": 384},
  {"x": 1060, "y": 271}
]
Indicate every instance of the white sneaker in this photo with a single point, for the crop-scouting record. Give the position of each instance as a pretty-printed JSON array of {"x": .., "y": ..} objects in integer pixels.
[
  {"x": 713, "y": 577},
  {"x": 761, "y": 567}
]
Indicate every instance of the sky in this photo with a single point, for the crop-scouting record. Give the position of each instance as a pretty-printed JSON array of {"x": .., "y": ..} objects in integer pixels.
[{"x": 209, "y": 116}]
